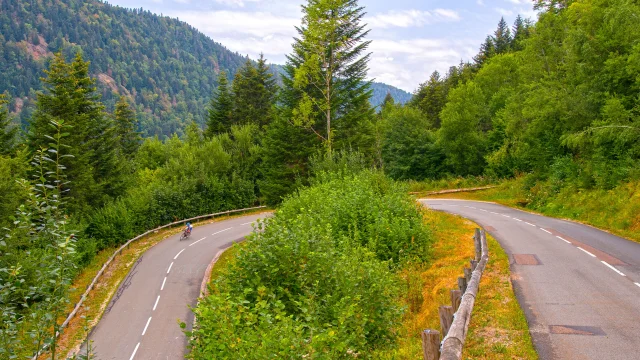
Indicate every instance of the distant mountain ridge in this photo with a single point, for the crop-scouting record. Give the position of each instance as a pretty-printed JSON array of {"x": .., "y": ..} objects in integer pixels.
[{"x": 165, "y": 66}]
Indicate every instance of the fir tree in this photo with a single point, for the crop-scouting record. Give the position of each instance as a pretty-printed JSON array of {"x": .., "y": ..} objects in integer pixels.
[
  {"x": 388, "y": 100},
  {"x": 324, "y": 84},
  {"x": 7, "y": 132},
  {"x": 126, "y": 128},
  {"x": 254, "y": 91},
  {"x": 487, "y": 50},
  {"x": 520, "y": 32},
  {"x": 221, "y": 108},
  {"x": 70, "y": 97},
  {"x": 502, "y": 37}
]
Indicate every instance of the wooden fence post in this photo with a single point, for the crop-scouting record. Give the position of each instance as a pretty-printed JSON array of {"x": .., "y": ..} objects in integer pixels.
[
  {"x": 477, "y": 241},
  {"x": 467, "y": 274},
  {"x": 431, "y": 345},
  {"x": 446, "y": 318},
  {"x": 474, "y": 263},
  {"x": 462, "y": 284},
  {"x": 456, "y": 298}
]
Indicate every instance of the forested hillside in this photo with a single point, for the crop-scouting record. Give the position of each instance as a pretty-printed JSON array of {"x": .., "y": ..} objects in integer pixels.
[{"x": 164, "y": 66}]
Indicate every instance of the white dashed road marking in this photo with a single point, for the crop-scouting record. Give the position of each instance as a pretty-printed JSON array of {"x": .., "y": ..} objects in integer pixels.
[
  {"x": 545, "y": 230},
  {"x": 146, "y": 326},
  {"x": 169, "y": 268},
  {"x": 221, "y": 231},
  {"x": 134, "y": 352},
  {"x": 507, "y": 216},
  {"x": 567, "y": 241},
  {"x": 612, "y": 268},
  {"x": 249, "y": 223},
  {"x": 178, "y": 254},
  {"x": 198, "y": 241},
  {"x": 516, "y": 219},
  {"x": 156, "y": 304},
  {"x": 163, "y": 281},
  {"x": 588, "y": 253},
  {"x": 528, "y": 223},
  {"x": 637, "y": 284}
]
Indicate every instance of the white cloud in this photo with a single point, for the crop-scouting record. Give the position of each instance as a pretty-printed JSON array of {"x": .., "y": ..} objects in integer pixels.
[
  {"x": 238, "y": 3},
  {"x": 504, "y": 12},
  {"x": 411, "y": 18}
]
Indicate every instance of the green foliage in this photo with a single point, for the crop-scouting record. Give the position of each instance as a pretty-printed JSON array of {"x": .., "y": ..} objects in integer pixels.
[
  {"x": 221, "y": 108},
  {"x": 254, "y": 91},
  {"x": 318, "y": 281},
  {"x": 409, "y": 149},
  {"x": 7, "y": 132},
  {"x": 126, "y": 129},
  {"x": 324, "y": 82}
]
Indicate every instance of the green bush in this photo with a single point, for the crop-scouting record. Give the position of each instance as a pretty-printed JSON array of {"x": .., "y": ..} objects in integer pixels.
[{"x": 319, "y": 281}]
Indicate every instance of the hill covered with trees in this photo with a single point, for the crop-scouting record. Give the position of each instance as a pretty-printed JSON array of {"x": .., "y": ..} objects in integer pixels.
[{"x": 164, "y": 66}]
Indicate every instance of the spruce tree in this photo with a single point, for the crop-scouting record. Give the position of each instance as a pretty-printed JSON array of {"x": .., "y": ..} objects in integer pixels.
[
  {"x": 70, "y": 97},
  {"x": 520, "y": 32},
  {"x": 487, "y": 50},
  {"x": 254, "y": 92},
  {"x": 502, "y": 37},
  {"x": 324, "y": 84},
  {"x": 221, "y": 108},
  {"x": 7, "y": 132},
  {"x": 126, "y": 128},
  {"x": 388, "y": 100}
]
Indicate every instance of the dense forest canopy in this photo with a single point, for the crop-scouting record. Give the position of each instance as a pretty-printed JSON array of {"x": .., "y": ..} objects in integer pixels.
[{"x": 164, "y": 66}]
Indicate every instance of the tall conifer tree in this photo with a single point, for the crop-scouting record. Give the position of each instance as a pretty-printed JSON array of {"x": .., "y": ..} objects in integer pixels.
[
  {"x": 502, "y": 37},
  {"x": 70, "y": 97},
  {"x": 7, "y": 132},
  {"x": 126, "y": 128},
  {"x": 325, "y": 90},
  {"x": 254, "y": 92},
  {"x": 221, "y": 108}
]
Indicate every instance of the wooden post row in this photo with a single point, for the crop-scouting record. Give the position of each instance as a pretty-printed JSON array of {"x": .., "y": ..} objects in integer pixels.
[
  {"x": 431, "y": 345},
  {"x": 467, "y": 274},
  {"x": 462, "y": 284}
]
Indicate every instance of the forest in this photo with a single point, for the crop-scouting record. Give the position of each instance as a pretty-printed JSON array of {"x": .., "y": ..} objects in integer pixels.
[
  {"x": 555, "y": 100},
  {"x": 166, "y": 68}
]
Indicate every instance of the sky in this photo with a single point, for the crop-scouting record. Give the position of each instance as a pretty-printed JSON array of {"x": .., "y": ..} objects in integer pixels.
[{"x": 410, "y": 38}]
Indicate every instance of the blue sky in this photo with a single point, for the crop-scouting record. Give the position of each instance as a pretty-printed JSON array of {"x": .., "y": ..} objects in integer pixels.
[{"x": 411, "y": 39}]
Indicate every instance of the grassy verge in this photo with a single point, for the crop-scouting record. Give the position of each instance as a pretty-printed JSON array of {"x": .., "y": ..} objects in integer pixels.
[
  {"x": 98, "y": 299},
  {"x": 616, "y": 210},
  {"x": 498, "y": 328}
]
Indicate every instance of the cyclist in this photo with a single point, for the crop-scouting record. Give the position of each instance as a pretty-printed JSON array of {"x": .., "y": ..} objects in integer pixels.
[{"x": 188, "y": 229}]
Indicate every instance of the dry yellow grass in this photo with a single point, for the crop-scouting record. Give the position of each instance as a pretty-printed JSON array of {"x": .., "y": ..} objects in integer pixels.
[{"x": 498, "y": 329}]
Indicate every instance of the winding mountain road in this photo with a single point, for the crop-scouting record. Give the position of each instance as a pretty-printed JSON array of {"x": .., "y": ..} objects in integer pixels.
[
  {"x": 141, "y": 321},
  {"x": 579, "y": 286}
]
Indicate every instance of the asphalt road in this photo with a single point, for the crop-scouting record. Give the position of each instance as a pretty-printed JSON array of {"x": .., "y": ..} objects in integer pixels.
[
  {"x": 141, "y": 321},
  {"x": 579, "y": 286}
]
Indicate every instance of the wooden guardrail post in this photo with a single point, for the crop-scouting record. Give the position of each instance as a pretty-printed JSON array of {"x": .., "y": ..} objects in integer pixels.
[
  {"x": 467, "y": 274},
  {"x": 446, "y": 318},
  {"x": 456, "y": 297},
  {"x": 462, "y": 284},
  {"x": 474, "y": 263},
  {"x": 477, "y": 242},
  {"x": 431, "y": 345}
]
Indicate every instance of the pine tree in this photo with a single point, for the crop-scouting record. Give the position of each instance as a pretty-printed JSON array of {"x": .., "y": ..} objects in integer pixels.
[
  {"x": 521, "y": 31},
  {"x": 220, "y": 108},
  {"x": 324, "y": 84},
  {"x": 487, "y": 50},
  {"x": 502, "y": 37},
  {"x": 254, "y": 92},
  {"x": 70, "y": 97},
  {"x": 388, "y": 100},
  {"x": 126, "y": 128},
  {"x": 7, "y": 132}
]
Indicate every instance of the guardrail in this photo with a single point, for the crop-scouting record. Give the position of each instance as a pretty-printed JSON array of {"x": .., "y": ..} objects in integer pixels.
[
  {"x": 451, "y": 191},
  {"x": 117, "y": 252},
  {"x": 454, "y": 326}
]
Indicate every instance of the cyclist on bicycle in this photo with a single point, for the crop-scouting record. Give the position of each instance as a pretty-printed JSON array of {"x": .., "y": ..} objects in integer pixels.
[{"x": 188, "y": 228}]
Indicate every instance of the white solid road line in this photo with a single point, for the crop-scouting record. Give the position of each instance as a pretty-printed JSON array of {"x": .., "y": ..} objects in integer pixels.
[
  {"x": 545, "y": 230},
  {"x": 169, "y": 269},
  {"x": 178, "y": 254},
  {"x": 528, "y": 223},
  {"x": 146, "y": 326},
  {"x": 612, "y": 268},
  {"x": 588, "y": 253},
  {"x": 567, "y": 241},
  {"x": 163, "y": 281},
  {"x": 198, "y": 241},
  {"x": 156, "y": 304},
  {"x": 222, "y": 231},
  {"x": 134, "y": 352}
]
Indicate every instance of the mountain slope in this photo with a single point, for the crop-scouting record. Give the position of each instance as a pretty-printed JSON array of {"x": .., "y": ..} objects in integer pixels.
[{"x": 163, "y": 65}]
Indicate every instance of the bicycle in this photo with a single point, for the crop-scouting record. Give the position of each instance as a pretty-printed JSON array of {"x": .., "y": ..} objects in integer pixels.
[{"x": 185, "y": 235}]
